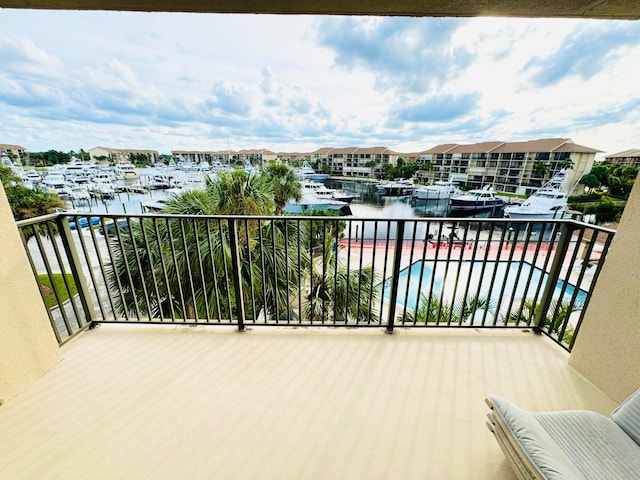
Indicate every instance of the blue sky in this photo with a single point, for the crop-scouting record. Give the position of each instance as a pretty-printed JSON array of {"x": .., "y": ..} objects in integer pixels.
[{"x": 71, "y": 80}]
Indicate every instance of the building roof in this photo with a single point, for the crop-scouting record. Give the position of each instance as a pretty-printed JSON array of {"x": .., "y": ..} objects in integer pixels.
[
  {"x": 7, "y": 146},
  {"x": 444, "y": 148},
  {"x": 540, "y": 145},
  {"x": 125, "y": 150},
  {"x": 574, "y": 147},
  {"x": 634, "y": 152},
  {"x": 322, "y": 151},
  {"x": 376, "y": 151},
  {"x": 482, "y": 147},
  {"x": 343, "y": 151}
]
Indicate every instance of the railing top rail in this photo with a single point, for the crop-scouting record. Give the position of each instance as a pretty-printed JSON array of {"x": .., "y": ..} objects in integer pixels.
[
  {"x": 35, "y": 220},
  {"x": 513, "y": 221}
]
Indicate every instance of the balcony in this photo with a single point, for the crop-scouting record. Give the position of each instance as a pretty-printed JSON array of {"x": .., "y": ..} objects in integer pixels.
[
  {"x": 163, "y": 390},
  {"x": 166, "y": 401}
]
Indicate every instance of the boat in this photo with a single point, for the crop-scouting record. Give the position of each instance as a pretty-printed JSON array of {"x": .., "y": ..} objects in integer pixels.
[
  {"x": 76, "y": 170},
  {"x": 154, "y": 206},
  {"x": 320, "y": 190},
  {"x": 396, "y": 188},
  {"x": 439, "y": 190},
  {"x": 55, "y": 182},
  {"x": 311, "y": 203},
  {"x": 160, "y": 182},
  {"x": 101, "y": 189},
  {"x": 476, "y": 200},
  {"x": 34, "y": 177},
  {"x": 24, "y": 177},
  {"x": 126, "y": 170},
  {"x": 307, "y": 173},
  {"x": 549, "y": 201},
  {"x": 78, "y": 194}
]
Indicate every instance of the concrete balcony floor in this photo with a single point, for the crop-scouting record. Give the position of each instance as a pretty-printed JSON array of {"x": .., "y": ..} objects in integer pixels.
[{"x": 139, "y": 402}]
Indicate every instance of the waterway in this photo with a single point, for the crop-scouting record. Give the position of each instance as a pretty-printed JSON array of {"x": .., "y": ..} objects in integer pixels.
[{"x": 369, "y": 204}]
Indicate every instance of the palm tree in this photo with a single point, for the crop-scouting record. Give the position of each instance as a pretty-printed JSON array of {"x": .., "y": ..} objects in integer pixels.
[
  {"x": 185, "y": 258},
  {"x": 565, "y": 164},
  {"x": 239, "y": 192},
  {"x": 526, "y": 314},
  {"x": 338, "y": 293},
  {"x": 370, "y": 165},
  {"x": 432, "y": 310},
  {"x": 177, "y": 267},
  {"x": 555, "y": 326},
  {"x": 286, "y": 184},
  {"x": 540, "y": 169}
]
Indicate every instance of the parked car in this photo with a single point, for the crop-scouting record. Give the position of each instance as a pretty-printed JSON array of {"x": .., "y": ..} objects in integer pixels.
[
  {"x": 111, "y": 226},
  {"x": 83, "y": 222}
]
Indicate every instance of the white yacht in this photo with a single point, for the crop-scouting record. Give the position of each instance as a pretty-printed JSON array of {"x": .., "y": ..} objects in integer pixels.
[
  {"x": 78, "y": 194},
  {"x": 34, "y": 177},
  {"x": 311, "y": 203},
  {"x": 439, "y": 190},
  {"x": 55, "y": 182},
  {"x": 307, "y": 173},
  {"x": 397, "y": 188},
  {"x": 550, "y": 201},
  {"x": 321, "y": 191},
  {"x": 476, "y": 200},
  {"x": 127, "y": 171}
]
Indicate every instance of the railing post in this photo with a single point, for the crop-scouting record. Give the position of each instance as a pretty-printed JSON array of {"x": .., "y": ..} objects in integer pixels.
[
  {"x": 236, "y": 272},
  {"x": 395, "y": 273},
  {"x": 76, "y": 269},
  {"x": 566, "y": 231}
]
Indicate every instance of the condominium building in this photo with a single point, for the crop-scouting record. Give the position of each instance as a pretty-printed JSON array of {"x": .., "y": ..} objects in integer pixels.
[
  {"x": 119, "y": 155},
  {"x": 254, "y": 155},
  {"x": 354, "y": 161},
  {"x": 628, "y": 158},
  {"x": 515, "y": 167},
  {"x": 15, "y": 152}
]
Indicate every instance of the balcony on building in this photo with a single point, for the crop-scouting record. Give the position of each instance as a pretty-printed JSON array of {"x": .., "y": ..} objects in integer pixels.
[
  {"x": 150, "y": 392},
  {"x": 93, "y": 396}
]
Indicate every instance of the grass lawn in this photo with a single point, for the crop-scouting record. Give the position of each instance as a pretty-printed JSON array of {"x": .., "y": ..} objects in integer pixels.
[{"x": 49, "y": 295}]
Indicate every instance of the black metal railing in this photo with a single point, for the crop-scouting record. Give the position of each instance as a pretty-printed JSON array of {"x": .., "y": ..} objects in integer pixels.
[{"x": 314, "y": 271}]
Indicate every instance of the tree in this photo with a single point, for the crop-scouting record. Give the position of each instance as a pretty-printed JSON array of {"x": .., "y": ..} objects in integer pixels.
[
  {"x": 407, "y": 170},
  {"x": 566, "y": 164},
  {"x": 25, "y": 202},
  {"x": 540, "y": 169},
  {"x": 463, "y": 310},
  {"x": 426, "y": 166},
  {"x": 190, "y": 260},
  {"x": 370, "y": 165},
  {"x": 337, "y": 293},
  {"x": 140, "y": 158},
  {"x": 186, "y": 258},
  {"x": 590, "y": 181},
  {"x": 388, "y": 171},
  {"x": 286, "y": 184}
]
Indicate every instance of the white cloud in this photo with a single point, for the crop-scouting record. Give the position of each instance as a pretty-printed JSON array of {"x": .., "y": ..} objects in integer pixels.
[{"x": 173, "y": 81}]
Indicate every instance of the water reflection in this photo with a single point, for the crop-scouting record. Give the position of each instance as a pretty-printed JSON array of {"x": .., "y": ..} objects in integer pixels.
[
  {"x": 374, "y": 205},
  {"x": 368, "y": 205}
]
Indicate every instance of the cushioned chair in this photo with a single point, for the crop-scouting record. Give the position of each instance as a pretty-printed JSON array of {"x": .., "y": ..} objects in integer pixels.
[{"x": 569, "y": 445}]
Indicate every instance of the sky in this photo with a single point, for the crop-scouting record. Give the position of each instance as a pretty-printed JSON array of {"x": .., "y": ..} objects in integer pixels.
[{"x": 175, "y": 81}]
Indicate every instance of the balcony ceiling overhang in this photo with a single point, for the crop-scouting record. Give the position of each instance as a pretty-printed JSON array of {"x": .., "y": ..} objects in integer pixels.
[{"x": 606, "y": 9}]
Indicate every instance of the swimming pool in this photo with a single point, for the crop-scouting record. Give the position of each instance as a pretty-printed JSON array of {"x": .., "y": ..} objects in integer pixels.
[{"x": 473, "y": 279}]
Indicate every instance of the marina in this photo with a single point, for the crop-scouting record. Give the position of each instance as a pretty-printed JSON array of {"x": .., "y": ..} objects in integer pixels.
[{"x": 107, "y": 191}]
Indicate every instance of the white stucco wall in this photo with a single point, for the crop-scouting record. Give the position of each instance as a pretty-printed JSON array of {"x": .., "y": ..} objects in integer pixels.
[
  {"x": 28, "y": 347},
  {"x": 607, "y": 349}
]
